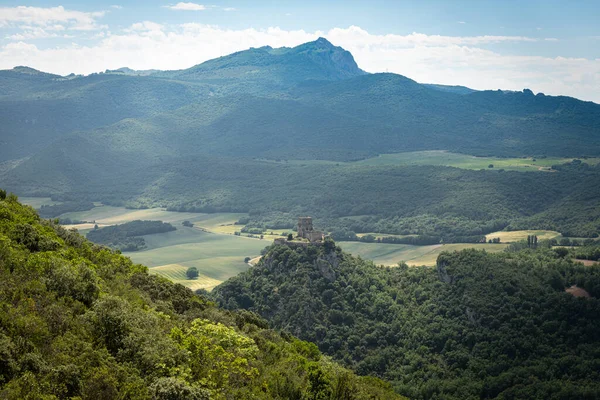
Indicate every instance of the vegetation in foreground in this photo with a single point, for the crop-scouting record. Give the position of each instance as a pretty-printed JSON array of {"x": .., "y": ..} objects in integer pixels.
[
  {"x": 479, "y": 325},
  {"x": 78, "y": 321}
]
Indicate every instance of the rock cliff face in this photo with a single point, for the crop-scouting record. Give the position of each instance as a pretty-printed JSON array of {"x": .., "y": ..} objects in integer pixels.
[
  {"x": 336, "y": 62},
  {"x": 443, "y": 272}
]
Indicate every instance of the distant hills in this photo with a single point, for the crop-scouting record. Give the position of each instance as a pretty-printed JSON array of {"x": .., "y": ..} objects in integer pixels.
[{"x": 132, "y": 133}]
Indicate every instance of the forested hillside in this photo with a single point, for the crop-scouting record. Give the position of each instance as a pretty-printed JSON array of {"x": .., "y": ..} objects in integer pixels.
[
  {"x": 425, "y": 200},
  {"x": 80, "y": 321},
  {"x": 205, "y": 139},
  {"x": 477, "y": 326}
]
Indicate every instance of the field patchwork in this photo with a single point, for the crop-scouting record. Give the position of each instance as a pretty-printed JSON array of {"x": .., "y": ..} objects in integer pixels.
[
  {"x": 517, "y": 236},
  {"x": 176, "y": 273},
  {"x": 392, "y": 254},
  {"x": 448, "y": 159}
]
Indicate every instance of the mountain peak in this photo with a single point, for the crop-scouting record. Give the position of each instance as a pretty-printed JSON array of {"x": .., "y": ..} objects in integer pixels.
[
  {"x": 27, "y": 70},
  {"x": 32, "y": 72},
  {"x": 321, "y": 41},
  {"x": 316, "y": 60}
]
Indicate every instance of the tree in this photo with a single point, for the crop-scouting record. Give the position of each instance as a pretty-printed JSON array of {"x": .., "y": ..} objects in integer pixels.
[
  {"x": 192, "y": 273},
  {"x": 2, "y": 194},
  {"x": 491, "y": 166},
  {"x": 247, "y": 260},
  {"x": 290, "y": 237}
]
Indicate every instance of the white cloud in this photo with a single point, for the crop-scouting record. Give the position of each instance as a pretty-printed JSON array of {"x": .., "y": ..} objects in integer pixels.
[
  {"x": 145, "y": 26},
  {"x": 187, "y": 7},
  {"x": 22, "y": 16},
  {"x": 229, "y": 9},
  {"x": 116, "y": 7},
  {"x": 425, "y": 58},
  {"x": 461, "y": 22}
]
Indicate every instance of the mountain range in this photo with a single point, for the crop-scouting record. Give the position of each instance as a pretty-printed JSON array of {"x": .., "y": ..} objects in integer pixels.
[{"x": 145, "y": 138}]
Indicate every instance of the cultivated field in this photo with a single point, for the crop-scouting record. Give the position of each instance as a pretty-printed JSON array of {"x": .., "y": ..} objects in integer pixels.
[
  {"x": 440, "y": 157},
  {"x": 217, "y": 256},
  {"x": 444, "y": 158},
  {"x": 176, "y": 273},
  {"x": 517, "y": 236},
  {"x": 37, "y": 202},
  {"x": 392, "y": 254}
]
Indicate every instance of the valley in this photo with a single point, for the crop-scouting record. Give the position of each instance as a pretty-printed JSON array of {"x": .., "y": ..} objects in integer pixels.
[
  {"x": 278, "y": 223},
  {"x": 212, "y": 247}
]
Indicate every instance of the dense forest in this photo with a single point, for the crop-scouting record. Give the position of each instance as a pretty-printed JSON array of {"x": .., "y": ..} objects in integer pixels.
[
  {"x": 78, "y": 321},
  {"x": 128, "y": 236},
  {"x": 478, "y": 326}
]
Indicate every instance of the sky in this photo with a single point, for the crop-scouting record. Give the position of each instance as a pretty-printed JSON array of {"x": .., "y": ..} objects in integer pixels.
[{"x": 547, "y": 46}]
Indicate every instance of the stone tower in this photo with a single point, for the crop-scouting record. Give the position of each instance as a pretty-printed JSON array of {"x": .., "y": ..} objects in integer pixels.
[
  {"x": 304, "y": 226},
  {"x": 306, "y": 231}
]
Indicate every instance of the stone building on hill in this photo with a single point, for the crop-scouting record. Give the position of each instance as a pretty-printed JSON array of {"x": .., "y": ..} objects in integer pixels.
[{"x": 306, "y": 231}]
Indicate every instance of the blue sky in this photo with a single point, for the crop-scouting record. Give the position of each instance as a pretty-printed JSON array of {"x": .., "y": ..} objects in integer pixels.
[{"x": 549, "y": 46}]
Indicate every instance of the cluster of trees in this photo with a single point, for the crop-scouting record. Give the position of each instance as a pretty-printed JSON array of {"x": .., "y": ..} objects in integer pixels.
[
  {"x": 532, "y": 241},
  {"x": 591, "y": 253},
  {"x": 128, "y": 236},
  {"x": 478, "y": 326},
  {"x": 80, "y": 321},
  {"x": 416, "y": 240},
  {"x": 192, "y": 273},
  {"x": 53, "y": 211}
]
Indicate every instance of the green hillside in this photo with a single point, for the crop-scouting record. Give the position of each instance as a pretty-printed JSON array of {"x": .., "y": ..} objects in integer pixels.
[
  {"x": 479, "y": 325},
  {"x": 198, "y": 139},
  {"x": 78, "y": 321}
]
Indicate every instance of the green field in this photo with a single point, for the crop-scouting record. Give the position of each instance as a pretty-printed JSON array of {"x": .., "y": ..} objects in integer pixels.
[
  {"x": 217, "y": 256},
  {"x": 176, "y": 273},
  {"x": 517, "y": 236},
  {"x": 444, "y": 158},
  {"x": 392, "y": 254},
  {"x": 108, "y": 215},
  {"x": 448, "y": 159},
  {"x": 37, "y": 202}
]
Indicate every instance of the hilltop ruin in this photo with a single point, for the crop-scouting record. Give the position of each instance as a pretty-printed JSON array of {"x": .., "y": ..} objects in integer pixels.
[{"x": 306, "y": 233}]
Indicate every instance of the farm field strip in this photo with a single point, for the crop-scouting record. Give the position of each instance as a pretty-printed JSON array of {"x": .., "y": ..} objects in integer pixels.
[
  {"x": 177, "y": 273},
  {"x": 516, "y": 236},
  {"x": 37, "y": 202},
  {"x": 445, "y": 158},
  {"x": 392, "y": 254}
]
